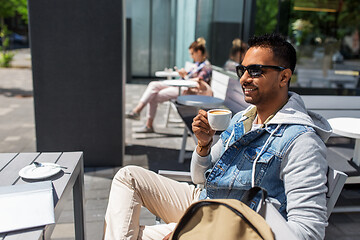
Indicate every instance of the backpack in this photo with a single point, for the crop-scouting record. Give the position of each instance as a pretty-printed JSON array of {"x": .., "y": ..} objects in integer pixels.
[{"x": 221, "y": 219}]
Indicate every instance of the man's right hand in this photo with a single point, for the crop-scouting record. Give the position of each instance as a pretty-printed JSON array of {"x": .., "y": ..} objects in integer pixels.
[{"x": 203, "y": 132}]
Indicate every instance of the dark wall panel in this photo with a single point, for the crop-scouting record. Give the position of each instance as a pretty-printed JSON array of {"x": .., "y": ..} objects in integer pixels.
[
  {"x": 79, "y": 77},
  {"x": 223, "y": 33}
]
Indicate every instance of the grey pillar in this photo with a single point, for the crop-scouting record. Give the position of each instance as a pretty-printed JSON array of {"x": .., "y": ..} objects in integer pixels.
[
  {"x": 78, "y": 62},
  {"x": 231, "y": 19},
  {"x": 249, "y": 19}
]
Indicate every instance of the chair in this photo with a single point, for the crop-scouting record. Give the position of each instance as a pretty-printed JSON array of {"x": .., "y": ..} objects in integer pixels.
[
  {"x": 335, "y": 182},
  {"x": 339, "y": 156},
  {"x": 188, "y": 66}
]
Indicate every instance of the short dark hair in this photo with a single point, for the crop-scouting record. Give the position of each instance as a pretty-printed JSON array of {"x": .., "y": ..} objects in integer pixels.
[{"x": 283, "y": 51}]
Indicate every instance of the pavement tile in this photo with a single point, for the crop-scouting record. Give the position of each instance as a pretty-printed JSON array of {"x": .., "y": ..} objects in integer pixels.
[
  {"x": 99, "y": 183},
  {"x": 63, "y": 231},
  {"x": 94, "y": 204},
  {"x": 93, "y": 231},
  {"x": 97, "y": 194},
  {"x": 95, "y": 215},
  {"x": 105, "y": 172},
  {"x": 67, "y": 216}
]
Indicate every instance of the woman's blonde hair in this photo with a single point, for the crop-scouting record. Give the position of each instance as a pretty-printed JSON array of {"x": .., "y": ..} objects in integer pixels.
[
  {"x": 199, "y": 44},
  {"x": 238, "y": 46},
  {"x": 236, "y": 42}
]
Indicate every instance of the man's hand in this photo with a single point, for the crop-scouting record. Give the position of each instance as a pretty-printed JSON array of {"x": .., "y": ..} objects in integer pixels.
[{"x": 203, "y": 132}]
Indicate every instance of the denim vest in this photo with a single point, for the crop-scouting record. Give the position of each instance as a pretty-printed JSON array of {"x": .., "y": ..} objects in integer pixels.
[{"x": 231, "y": 174}]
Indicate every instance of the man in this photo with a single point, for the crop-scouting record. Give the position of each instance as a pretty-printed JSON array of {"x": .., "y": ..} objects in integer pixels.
[{"x": 275, "y": 144}]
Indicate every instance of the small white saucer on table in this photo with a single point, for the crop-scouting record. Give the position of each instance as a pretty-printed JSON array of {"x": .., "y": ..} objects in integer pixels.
[{"x": 348, "y": 127}]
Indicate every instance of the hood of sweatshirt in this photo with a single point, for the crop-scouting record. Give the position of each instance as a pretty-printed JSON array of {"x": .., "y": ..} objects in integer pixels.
[{"x": 295, "y": 112}]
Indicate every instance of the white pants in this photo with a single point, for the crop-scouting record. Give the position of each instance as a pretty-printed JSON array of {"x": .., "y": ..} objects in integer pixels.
[
  {"x": 155, "y": 93},
  {"x": 133, "y": 187}
]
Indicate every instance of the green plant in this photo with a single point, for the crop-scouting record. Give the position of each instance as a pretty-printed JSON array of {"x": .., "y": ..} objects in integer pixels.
[
  {"x": 5, "y": 56},
  {"x": 5, "y": 59}
]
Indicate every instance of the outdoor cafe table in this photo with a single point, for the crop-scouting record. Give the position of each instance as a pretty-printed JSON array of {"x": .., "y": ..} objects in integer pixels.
[
  {"x": 168, "y": 74},
  {"x": 348, "y": 127},
  {"x": 181, "y": 83},
  {"x": 200, "y": 101},
  {"x": 71, "y": 178}
]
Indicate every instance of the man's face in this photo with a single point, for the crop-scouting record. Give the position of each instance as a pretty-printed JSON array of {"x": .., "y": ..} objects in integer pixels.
[{"x": 262, "y": 91}]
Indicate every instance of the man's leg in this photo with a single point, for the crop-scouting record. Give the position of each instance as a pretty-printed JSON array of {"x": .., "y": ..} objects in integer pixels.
[
  {"x": 134, "y": 187},
  {"x": 155, "y": 232}
]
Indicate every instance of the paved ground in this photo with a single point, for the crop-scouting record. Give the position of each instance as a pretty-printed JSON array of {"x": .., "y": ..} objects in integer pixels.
[{"x": 154, "y": 151}]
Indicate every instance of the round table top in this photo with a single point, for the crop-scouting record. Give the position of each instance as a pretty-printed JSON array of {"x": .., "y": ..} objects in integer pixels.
[
  {"x": 181, "y": 83},
  {"x": 167, "y": 74},
  {"x": 200, "y": 101},
  {"x": 347, "y": 127}
]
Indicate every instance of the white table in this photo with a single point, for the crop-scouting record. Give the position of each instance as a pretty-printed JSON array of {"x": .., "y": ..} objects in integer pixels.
[
  {"x": 63, "y": 182},
  {"x": 181, "y": 83},
  {"x": 168, "y": 74},
  {"x": 348, "y": 127}
]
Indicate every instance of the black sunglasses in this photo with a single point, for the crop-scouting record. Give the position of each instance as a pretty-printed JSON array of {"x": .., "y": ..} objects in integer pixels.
[{"x": 255, "y": 70}]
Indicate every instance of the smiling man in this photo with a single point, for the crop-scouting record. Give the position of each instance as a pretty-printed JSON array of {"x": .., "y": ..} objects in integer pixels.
[{"x": 275, "y": 144}]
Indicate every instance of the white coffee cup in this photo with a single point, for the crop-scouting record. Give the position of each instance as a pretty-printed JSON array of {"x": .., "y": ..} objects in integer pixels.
[{"x": 219, "y": 119}]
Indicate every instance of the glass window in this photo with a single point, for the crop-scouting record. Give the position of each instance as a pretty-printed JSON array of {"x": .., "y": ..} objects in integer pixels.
[{"x": 326, "y": 36}]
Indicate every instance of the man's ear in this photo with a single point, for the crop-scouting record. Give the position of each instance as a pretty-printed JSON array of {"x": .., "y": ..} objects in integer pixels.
[{"x": 285, "y": 77}]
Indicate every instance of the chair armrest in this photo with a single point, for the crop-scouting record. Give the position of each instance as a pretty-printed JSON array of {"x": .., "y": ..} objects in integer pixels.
[{"x": 335, "y": 182}]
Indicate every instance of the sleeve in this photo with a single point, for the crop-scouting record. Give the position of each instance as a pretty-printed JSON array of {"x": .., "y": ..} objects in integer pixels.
[
  {"x": 303, "y": 171},
  {"x": 199, "y": 165},
  {"x": 205, "y": 73}
]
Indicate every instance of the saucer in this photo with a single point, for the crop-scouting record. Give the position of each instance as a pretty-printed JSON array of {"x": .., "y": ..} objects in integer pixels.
[{"x": 33, "y": 172}]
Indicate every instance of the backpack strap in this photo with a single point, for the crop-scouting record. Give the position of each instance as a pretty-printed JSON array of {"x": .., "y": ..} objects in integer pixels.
[{"x": 250, "y": 194}]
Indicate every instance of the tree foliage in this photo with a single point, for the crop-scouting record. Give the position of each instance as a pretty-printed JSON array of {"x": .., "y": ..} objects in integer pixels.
[
  {"x": 9, "y": 8},
  {"x": 266, "y": 16},
  {"x": 349, "y": 17}
]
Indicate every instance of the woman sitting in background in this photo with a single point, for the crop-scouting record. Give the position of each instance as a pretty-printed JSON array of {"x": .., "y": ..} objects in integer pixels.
[
  {"x": 237, "y": 54},
  {"x": 158, "y": 92}
]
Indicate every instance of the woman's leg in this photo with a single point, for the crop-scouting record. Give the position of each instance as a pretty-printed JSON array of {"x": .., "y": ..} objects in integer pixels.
[
  {"x": 151, "y": 91},
  {"x": 163, "y": 95},
  {"x": 133, "y": 187}
]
